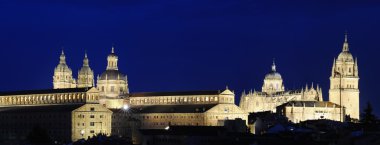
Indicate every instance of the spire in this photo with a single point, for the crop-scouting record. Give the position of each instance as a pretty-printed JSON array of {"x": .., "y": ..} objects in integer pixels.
[
  {"x": 273, "y": 66},
  {"x": 333, "y": 68},
  {"x": 345, "y": 44},
  {"x": 356, "y": 69},
  {"x": 62, "y": 58},
  {"x": 112, "y": 60},
  {"x": 85, "y": 60}
]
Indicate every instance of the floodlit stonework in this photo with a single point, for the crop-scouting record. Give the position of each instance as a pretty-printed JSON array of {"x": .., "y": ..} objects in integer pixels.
[
  {"x": 274, "y": 94},
  {"x": 72, "y": 111},
  {"x": 63, "y": 76},
  {"x": 86, "y": 75},
  {"x": 196, "y": 108},
  {"x": 344, "y": 92},
  {"x": 298, "y": 111},
  {"x": 90, "y": 119},
  {"x": 344, "y": 82},
  {"x": 112, "y": 83}
]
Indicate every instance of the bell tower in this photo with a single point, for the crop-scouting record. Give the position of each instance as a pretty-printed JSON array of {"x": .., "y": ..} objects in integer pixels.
[
  {"x": 63, "y": 76},
  {"x": 344, "y": 82},
  {"x": 85, "y": 74}
]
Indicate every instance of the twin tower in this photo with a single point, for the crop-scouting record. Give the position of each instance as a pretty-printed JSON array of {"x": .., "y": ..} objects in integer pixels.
[{"x": 111, "y": 83}]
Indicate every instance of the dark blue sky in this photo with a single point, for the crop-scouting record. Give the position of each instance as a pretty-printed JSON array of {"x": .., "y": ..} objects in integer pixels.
[{"x": 168, "y": 45}]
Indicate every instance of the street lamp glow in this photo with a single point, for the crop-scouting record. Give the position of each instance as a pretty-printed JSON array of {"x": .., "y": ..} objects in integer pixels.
[{"x": 125, "y": 107}]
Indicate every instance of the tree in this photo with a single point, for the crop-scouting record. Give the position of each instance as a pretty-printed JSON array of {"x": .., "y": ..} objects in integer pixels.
[
  {"x": 368, "y": 117},
  {"x": 369, "y": 120}
]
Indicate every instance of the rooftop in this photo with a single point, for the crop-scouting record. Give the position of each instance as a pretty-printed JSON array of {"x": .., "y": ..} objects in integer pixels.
[
  {"x": 172, "y": 108},
  {"x": 40, "y": 108},
  {"x": 184, "y": 93},
  {"x": 47, "y": 91},
  {"x": 310, "y": 104}
]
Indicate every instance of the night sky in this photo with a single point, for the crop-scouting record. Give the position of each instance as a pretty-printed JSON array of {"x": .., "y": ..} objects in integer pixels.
[{"x": 169, "y": 45}]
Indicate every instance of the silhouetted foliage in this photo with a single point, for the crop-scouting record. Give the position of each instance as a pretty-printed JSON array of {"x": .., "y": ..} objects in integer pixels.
[
  {"x": 368, "y": 117},
  {"x": 369, "y": 120},
  {"x": 39, "y": 136},
  {"x": 103, "y": 139}
]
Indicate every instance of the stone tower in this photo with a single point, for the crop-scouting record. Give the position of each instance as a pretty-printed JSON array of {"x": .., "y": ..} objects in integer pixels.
[
  {"x": 273, "y": 81},
  {"x": 63, "y": 77},
  {"x": 85, "y": 75},
  {"x": 344, "y": 82}
]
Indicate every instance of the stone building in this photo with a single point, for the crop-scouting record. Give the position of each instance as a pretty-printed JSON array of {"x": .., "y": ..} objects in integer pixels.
[
  {"x": 274, "y": 94},
  {"x": 344, "y": 82},
  {"x": 297, "y": 111},
  {"x": 66, "y": 114},
  {"x": 197, "y": 108}
]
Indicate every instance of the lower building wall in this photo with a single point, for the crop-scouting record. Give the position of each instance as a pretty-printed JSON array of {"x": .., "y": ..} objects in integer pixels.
[
  {"x": 89, "y": 120},
  {"x": 162, "y": 120},
  {"x": 298, "y": 114},
  {"x": 16, "y": 126}
]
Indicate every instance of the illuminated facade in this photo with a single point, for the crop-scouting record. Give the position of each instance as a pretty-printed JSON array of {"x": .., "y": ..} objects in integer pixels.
[
  {"x": 86, "y": 75},
  {"x": 63, "y": 76},
  {"x": 274, "y": 94},
  {"x": 306, "y": 104},
  {"x": 344, "y": 82},
  {"x": 66, "y": 114},
  {"x": 197, "y": 108},
  {"x": 297, "y": 111},
  {"x": 87, "y": 109}
]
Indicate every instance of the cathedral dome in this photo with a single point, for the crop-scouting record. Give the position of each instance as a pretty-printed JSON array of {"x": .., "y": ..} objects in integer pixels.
[
  {"x": 273, "y": 75},
  {"x": 85, "y": 70},
  {"x": 112, "y": 75},
  {"x": 62, "y": 66},
  {"x": 345, "y": 56}
]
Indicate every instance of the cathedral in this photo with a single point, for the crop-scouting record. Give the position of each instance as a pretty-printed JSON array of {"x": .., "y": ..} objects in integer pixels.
[
  {"x": 343, "y": 94},
  {"x": 273, "y": 94}
]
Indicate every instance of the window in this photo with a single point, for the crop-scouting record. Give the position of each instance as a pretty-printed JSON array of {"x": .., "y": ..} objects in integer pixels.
[
  {"x": 101, "y": 116},
  {"x": 102, "y": 88},
  {"x": 92, "y": 109},
  {"x": 92, "y": 123},
  {"x": 92, "y": 116},
  {"x": 92, "y": 131},
  {"x": 112, "y": 88}
]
